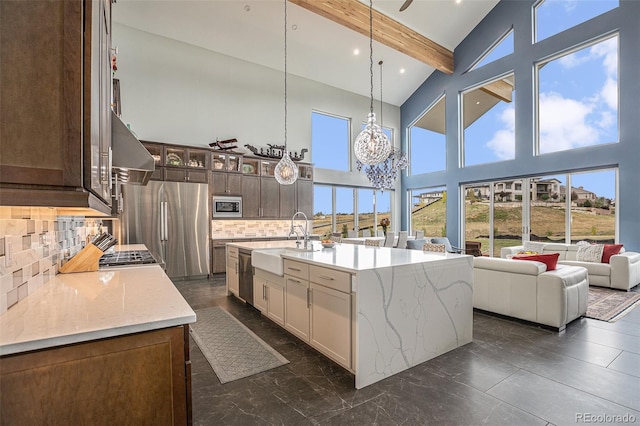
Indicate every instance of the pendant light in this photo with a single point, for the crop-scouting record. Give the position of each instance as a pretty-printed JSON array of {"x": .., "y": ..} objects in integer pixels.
[
  {"x": 286, "y": 171},
  {"x": 371, "y": 146}
]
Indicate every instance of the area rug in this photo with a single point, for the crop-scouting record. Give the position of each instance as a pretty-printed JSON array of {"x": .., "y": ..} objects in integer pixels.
[
  {"x": 231, "y": 348},
  {"x": 610, "y": 305}
]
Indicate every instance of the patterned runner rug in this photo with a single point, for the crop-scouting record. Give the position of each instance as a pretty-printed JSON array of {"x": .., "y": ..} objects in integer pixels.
[
  {"x": 610, "y": 305},
  {"x": 231, "y": 348}
]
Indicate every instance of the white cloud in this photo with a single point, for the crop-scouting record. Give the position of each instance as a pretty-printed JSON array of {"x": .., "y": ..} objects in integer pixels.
[
  {"x": 608, "y": 50},
  {"x": 563, "y": 123},
  {"x": 609, "y": 93},
  {"x": 503, "y": 143}
]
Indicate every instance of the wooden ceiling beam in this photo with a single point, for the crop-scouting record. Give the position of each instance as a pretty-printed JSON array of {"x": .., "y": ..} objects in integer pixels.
[{"x": 355, "y": 15}]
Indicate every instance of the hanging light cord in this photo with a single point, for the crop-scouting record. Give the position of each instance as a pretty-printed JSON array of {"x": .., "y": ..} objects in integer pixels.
[
  {"x": 371, "y": 48},
  {"x": 285, "y": 77},
  {"x": 380, "y": 63}
]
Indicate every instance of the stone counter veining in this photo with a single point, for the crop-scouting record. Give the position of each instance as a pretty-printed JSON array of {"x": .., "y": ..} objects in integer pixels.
[{"x": 80, "y": 307}]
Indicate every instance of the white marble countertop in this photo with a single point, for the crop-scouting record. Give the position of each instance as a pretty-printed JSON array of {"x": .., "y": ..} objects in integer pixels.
[
  {"x": 350, "y": 257},
  {"x": 256, "y": 245},
  {"x": 73, "y": 308}
]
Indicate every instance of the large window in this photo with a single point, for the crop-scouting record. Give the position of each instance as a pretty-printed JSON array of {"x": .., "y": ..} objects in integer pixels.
[
  {"x": 503, "y": 47},
  {"x": 554, "y": 16},
  {"x": 578, "y": 98},
  {"x": 330, "y": 217},
  {"x": 543, "y": 209},
  {"x": 330, "y": 141},
  {"x": 593, "y": 206},
  {"x": 427, "y": 136},
  {"x": 489, "y": 122},
  {"x": 429, "y": 211}
]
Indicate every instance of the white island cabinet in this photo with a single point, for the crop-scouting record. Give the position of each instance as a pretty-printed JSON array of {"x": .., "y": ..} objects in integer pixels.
[
  {"x": 376, "y": 311},
  {"x": 233, "y": 270},
  {"x": 317, "y": 313}
]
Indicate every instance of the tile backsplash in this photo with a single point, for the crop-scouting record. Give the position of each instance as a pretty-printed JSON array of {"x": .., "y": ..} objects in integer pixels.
[
  {"x": 221, "y": 229},
  {"x": 32, "y": 247}
]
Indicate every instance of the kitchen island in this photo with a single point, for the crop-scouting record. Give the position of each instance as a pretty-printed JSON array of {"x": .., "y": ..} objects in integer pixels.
[
  {"x": 376, "y": 311},
  {"x": 104, "y": 347}
]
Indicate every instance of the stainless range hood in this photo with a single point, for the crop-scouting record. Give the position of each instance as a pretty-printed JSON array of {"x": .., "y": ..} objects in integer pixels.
[{"x": 132, "y": 163}]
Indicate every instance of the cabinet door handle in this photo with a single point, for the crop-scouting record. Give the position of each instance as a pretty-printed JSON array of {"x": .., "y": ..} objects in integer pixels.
[
  {"x": 236, "y": 263},
  {"x": 264, "y": 292},
  {"x": 295, "y": 281},
  {"x": 104, "y": 165},
  {"x": 308, "y": 298},
  {"x": 324, "y": 277},
  {"x": 293, "y": 269}
]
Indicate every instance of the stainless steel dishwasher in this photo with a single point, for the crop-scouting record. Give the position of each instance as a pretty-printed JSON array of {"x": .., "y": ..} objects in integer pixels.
[{"x": 246, "y": 276}]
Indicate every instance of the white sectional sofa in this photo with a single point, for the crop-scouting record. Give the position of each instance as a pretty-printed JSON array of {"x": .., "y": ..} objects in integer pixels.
[
  {"x": 622, "y": 272},
  {"x": 526, "y": 290}
]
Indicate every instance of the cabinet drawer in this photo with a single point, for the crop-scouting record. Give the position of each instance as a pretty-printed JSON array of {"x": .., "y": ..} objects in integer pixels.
[
  {"x": 331, "y": 278},
  {"x": 296, "y": 269},
  {"x": 232, "y": 252}
]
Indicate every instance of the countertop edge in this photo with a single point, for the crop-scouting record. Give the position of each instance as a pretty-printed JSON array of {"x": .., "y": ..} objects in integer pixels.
[{"x": 70, "y": 339}]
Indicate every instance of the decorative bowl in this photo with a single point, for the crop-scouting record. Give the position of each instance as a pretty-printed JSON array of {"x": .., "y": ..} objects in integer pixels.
[{"x": 328, "y": 245}]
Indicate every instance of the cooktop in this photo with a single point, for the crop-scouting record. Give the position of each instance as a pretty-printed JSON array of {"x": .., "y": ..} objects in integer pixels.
[{"x": 127, "y": 258}]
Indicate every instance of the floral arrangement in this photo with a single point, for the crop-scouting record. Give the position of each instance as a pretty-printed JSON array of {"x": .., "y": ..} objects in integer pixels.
[
  {"x": 385, "y": 222},
  {"x": 527, "y": 253}
]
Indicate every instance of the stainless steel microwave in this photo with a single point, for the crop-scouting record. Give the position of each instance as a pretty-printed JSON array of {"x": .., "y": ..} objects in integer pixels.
[{"x": 225, "y": 206}]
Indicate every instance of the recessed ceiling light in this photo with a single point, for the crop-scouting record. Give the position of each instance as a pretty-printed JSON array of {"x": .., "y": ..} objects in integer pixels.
[
  {"x": 477, "y": 102},
  {"x": 356, "y": 51},
  {"x": 294, "y": 27},
  {"x": 458, "y": 1},
  {"x": 247, "y": 8},
  {"x": 402, "y": 70}
]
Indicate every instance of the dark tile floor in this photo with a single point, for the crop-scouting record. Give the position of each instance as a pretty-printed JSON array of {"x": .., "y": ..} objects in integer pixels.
[{"x": 511, "y": 374}]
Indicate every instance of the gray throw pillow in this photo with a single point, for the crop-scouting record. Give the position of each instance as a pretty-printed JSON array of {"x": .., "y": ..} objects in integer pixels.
[
  {"x": 443, "y": 240},
  {"x": 416, "y": 244}
]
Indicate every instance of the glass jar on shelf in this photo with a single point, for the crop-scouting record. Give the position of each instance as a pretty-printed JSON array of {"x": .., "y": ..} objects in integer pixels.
[
  {"x": 267, "y": 168},
  {"x": 174, "y": 157},
  {"x": 250, "y": 166},
  {"x": 197, "y": 158}
]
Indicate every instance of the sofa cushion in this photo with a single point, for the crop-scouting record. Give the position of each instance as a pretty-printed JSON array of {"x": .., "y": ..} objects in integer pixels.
[
  {"x": 609, "y": 250},
  {"x": 549, "y": 259},
  {"x": 533, "y": 246},
  {"x": 602, "y": 269},
  {"x": 592, "y": 253},
  {"x": 508, "y": 265}
]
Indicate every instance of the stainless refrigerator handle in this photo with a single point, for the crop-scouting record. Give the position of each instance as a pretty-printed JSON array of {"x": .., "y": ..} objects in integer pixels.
[
  {"x": 166, "y": 221},
  {"x": 163, "y": 219}
]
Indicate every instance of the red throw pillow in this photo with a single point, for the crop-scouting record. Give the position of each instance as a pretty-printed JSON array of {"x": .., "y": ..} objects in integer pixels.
[
  {"x": 549, "y": 259},
  {"x": 609, "y": 250}
]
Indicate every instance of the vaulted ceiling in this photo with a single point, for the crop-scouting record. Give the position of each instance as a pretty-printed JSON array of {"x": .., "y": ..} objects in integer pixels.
[{"x": 319, "y": 48}]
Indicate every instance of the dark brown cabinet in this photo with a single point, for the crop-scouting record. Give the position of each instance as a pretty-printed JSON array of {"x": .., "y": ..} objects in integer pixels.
[
  {"x": 179, "y": 163},
  {"x": 304, "y": 197},
  {"x": 250, "y": 196},
  {"x": 269, "y": 198},
  {"x": 55, "y": 92},
  {"x": 142, "y": 378},
  {"x": 226, "y": 183}
]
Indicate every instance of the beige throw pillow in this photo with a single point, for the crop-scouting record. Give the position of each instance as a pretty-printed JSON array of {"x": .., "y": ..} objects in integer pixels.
[{"x": 590, "y": 253}]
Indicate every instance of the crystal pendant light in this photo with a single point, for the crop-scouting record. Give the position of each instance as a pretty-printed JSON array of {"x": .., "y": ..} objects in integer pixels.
[
  {"x": 371, "y": 146},
  {"x": 383, "y": 174},
  {"x": 286, "y": 171}
]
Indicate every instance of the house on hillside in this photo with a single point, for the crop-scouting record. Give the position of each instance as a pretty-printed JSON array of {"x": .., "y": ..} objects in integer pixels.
[
  {"x": 581, "y": 194},
  {"x": 427, "y": 198},
  {"x": 511, "y": 190}
]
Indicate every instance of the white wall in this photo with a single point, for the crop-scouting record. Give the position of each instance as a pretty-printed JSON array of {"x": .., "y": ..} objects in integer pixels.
[
  {"x": 178, "y": 93},
  {"x": 182, "y": 94}
]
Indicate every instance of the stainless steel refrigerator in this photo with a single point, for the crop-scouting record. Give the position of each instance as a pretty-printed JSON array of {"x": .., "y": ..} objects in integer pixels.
[{"x": 172, "y": 220}]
